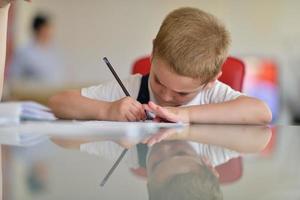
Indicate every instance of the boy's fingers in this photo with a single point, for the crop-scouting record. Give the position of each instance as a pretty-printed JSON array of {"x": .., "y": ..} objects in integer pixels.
[
  {"x": 145, "y": 140},
  {"x": 153, "y": 106},
  {"x": 140, "y": 109},
  {"x": 157, "y": 119},
  {"x": 151, "y": 143},
  {"x": 138, "y": 113},
  {"x": 166, "y": 114},
  {"x": 146, "y": 107},
  {"x": 136, "y": 110},
  {"x": 158, "y": 109},
  {"x": 131, "y": 116}
]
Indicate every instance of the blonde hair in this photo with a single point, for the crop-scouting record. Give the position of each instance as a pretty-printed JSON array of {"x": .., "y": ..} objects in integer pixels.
[{"x": 193, "y": 43}]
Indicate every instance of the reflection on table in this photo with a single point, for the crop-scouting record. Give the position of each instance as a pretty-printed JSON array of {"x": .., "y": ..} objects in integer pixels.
[{"x": 186, "y": 162}]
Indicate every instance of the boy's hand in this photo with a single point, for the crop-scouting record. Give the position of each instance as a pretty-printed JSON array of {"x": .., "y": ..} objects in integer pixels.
[
  {"x": 163, "y": 134},
  {"x": 126, "y": 109},
  {"x": 169, "y": 114}
]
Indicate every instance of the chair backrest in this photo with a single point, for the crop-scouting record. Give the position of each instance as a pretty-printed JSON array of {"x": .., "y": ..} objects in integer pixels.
[
  {"x": 233, "y": 71},
  {"x": 230, "y": 171}
]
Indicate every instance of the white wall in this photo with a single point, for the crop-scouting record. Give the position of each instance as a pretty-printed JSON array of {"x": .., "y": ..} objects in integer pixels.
[{"x": 123, "y": 30}]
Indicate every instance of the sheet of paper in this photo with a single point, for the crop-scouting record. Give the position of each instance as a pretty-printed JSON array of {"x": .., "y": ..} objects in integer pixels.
[{"x": 65, "y": 127}]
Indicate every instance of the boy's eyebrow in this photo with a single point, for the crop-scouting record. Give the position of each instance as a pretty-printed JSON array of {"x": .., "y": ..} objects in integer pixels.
[{"x": 181, "y": 92}]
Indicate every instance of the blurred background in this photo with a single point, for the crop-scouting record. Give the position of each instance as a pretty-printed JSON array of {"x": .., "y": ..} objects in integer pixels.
[{"x": 75, "y": 35}]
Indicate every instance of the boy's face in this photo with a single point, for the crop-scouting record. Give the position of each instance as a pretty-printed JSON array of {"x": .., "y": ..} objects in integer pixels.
[
  {"x": 170, "y": 158},
  {"x": 169, "y": 88}
]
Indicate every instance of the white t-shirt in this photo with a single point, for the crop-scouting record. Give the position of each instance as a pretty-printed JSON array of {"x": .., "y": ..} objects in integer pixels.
[{"x": 111, "y": 91}]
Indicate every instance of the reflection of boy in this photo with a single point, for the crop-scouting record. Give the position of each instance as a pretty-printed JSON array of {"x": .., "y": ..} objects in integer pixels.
[
  {"x": 185, "y": 170},
  {"x": 187, "y": 167},
  {"x": 187, "y": 56}
]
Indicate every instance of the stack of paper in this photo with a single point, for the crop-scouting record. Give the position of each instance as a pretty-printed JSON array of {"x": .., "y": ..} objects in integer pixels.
[{"x": 14, "y": 112}]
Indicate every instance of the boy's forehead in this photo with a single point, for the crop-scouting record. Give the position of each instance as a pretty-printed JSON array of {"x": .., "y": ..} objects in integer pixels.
[{"x": 171, "y": 79}]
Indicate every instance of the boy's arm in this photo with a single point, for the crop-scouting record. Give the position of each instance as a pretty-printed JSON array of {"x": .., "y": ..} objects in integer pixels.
[
  {"x": 242, "y": 110},
  {"x": 241, "y": 138},
  {"x": 72, "y": 105}
]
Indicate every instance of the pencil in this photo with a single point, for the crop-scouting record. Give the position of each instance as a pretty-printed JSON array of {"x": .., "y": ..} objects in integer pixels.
[
  {"x": 125, "y": 150},
  {"x": 116, "y": 76}
]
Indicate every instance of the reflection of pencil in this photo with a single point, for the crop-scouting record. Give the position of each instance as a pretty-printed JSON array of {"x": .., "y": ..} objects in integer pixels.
[{"x": 113, "y": 167}]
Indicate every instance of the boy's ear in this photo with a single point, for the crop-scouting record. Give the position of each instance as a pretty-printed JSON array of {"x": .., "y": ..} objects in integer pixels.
[
  {"x": 218, "y": 76},
  {"x": 212, "y": 82}
]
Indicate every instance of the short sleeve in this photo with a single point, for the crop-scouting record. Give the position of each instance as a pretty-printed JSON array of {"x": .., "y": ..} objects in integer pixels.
[
  {"x": 112, "y": 91},
  {"x": 221, "y": 92},
  {"x": 215, "y": 154}
]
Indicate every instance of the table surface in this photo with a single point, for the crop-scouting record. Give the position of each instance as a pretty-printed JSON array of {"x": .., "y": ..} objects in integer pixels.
[{"x": 190, "y": 162}]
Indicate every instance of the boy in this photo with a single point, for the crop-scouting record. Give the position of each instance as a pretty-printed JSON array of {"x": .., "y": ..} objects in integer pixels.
[{"x": 187, "y": 56}]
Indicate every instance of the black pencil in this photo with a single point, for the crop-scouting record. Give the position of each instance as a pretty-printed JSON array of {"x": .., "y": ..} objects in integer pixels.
[{"x": 116, "y": 76}]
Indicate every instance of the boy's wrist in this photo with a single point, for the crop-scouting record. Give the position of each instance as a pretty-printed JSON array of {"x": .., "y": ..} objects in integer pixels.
[
  {"x": 103, "y": 111},
  {"x": 185, "y": 114}
]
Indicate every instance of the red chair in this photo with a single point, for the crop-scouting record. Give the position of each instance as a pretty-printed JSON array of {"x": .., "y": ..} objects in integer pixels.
[{"x": 233, "y": 72}]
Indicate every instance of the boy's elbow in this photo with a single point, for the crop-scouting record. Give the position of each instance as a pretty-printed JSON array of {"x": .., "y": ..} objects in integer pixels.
[
  {"x": 59, "y": 100},
  {"x": 54, "y": 102},
  {"x": 265, "y": 114}
]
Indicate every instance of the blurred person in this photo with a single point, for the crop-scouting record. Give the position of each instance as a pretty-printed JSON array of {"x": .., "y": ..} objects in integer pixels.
[{"x": 38, "y": 62}]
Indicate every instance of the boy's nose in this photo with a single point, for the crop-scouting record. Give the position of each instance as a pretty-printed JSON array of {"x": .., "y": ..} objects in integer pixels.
[{"x": 167, "y": 95}]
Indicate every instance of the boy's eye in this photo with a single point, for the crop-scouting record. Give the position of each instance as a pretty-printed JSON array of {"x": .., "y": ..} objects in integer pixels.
[{"x": 183, "y": 93}]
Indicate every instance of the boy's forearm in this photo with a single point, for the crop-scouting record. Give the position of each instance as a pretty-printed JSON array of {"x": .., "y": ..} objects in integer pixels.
[
  {"x": 242, "y": 138},
  {"x": 71, "y": 105},
  {"x": 243, "y": 110}
]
